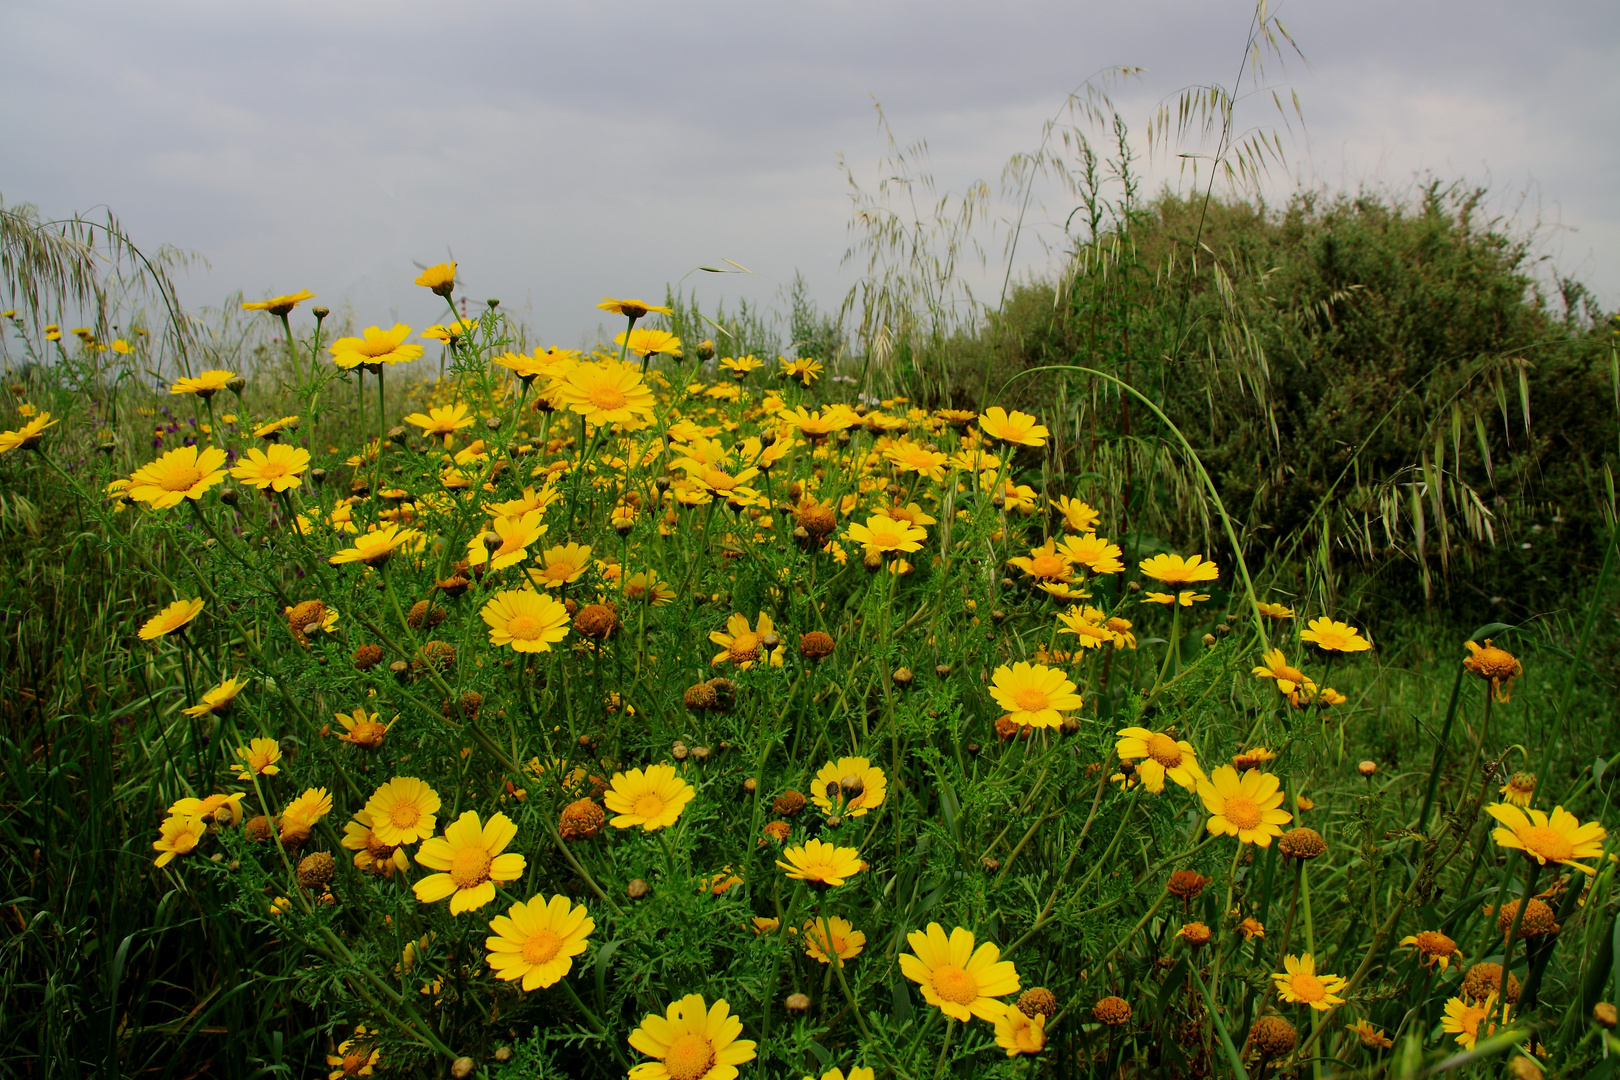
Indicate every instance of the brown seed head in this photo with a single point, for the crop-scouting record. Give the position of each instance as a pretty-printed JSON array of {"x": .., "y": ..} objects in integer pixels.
[
  {"x": 440, "y": 654},
  {"x": 259, "y": 828},
  {"x": 1538, "y": 919},
  {"x": 1367, "y": 768},
  {"x": 797, "y": 1004},
  {"x": 462, "y": 1067},
  {"x": 815, "y": 645},
  {"x": 581, "y": 820},
  {"x": 637, "y": 889},
  {"x": 1301, "y": 843},
  {"x": 699, "y": 697},
  {"x": 315, "y": 871},
  {"x": 597, "y": 621},
  {"x": 423, "y": 614},
  {"x": 778, "y": 831},
  {"x": 679, "y": 750},
  {"x": 1482, "y": 980},
  {"x": 1112, "y": 1011},
  {"x": 367, "y": 657},
  {"x": 1038, "y": 999},
  {"x": 1273, "y": 1036},
  {"x": 305, "y": 617},
  {"x": 1195, "y": 934},
  {"x": 902, "y": 677},
  {"x": 816, "y": 519},
  {"x": 1186, "y": 884},
  {"x": 788, "y": 803}
]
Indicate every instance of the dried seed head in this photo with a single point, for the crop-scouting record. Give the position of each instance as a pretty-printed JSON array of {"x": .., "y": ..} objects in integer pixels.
[
  {"x": 725, "y": 694},
  {"x": 367, "y": 657},
  {"x": 1538, "y": 920},
  {"x": 462, "y": 1067},
  {"x": 797, "y": 1004},
  {"x": 1186, "y": 884},
  {"x": 679, "y": 750},
  {"x": 1301, "y": 843},
  {"x": 699, "y": 697},
  {"x": 750, "y": 785},
  {"x": 597, "y": 621},
  {"x": 259, "y": 828},
  {"x": 1038, "y": 1000},
  {"x": 1482, "y": 980},
  {"x": 1273, "y": 1036},
  {"x": 700, "y": 753},
  {"x": 1195, "y": 934},
  {"x": 315, "y": 871},
  {"x": 902, "y": 677},
  {"x": 1112, "y": 1011},
  {"x": 637, "y": 889},
  {"x": 1367, "y": 768},
  {"x": 778, "y": 831},
  {"x": 942, "y": 670},
  {"x": 581, "y": 820},
  {"x": 815, "y": 645},
  {"x": 788, "y": 803}
]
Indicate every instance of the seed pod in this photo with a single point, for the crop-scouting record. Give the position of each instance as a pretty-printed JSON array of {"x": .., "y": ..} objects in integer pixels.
[
  {"x": 637, "y": 889},
  {"x": 797, "y": 1004}
]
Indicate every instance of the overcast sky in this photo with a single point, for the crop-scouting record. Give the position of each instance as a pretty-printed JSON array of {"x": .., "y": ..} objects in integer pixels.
[{"x": 564, "y": 150}]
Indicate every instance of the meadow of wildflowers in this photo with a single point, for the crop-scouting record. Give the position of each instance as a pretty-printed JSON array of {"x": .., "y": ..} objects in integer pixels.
[{"x": 664, "y": 713}]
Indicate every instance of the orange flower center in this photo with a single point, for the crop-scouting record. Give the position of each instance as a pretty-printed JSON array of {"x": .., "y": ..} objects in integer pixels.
[
  {"x": 745, "y": 647},
  {"x": 1031, "y": 699},
  {"x": 404, "y": 815},
  {"x": 180, "y": 478},
  {"x": 1307, "y": 987},
  {"x": 719, "y": 480},
  {"x": 1241, "y": 812},
  {"x": 955, "y": 985},
  {"x": 648, "y": 806},
  {"x": 524, "y": 628},
  {"x": 887, "y": 536},
  {"x": 185, "y": 843},
  {"x": 689, "y": 1057},
  {"x": 367, "y": 733},
  {"x": 607, "y": 397},
  {"x": 1547, "y": 843},
  {"x": 542, "y": 947},
  {"x": 1163, "y": 749},
  {"x": 470, "y": 867},
  {"x": 1048, "y": 566}
]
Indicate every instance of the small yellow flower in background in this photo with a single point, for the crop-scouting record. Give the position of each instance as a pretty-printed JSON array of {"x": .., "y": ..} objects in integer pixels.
[
  {"x": 183, "y": 473},
  {"x": 647, "y": 588},
  {"x": 440, "y": 277},
  {"x": 804, "y": 369},
  {"x": 1160, "y": 756},
  {"x": 1077, "y": 516},
  {"x": 171, "y": 618},
  {"x": 1251, "y": 928},
  {"x": 829, "y": 938},
  {"x": 1093, "y": 552},
  {"x": 1186, "y": 598},
  {"x": 740, "y": 366},
  {"x": 442, "y": 420},
  {"x": 370, "y": 853},
  {"x": 1558, "y": 837},
  {"x": 1175, "y": 571},
  {"x": 471, "y": 857},
  {"x": 1300, "y": 984},
  {"x": 526, "y": 620},
  {"x": 1371, "y": 1038},
  {"x": 259, "y": 758},
  {"x": 274, "y": 428},
  {"x": 279, "y": 305},
  {"x": 1432, "y": 947},
  {"x": 561, "y": 565},
  {"x": 1244, "y": 806},
  {"x": 634, "y": 309},
  {"x": 277, "y": 469},
  {"x": 1276, "y": 667},
  {"x": 218, "y": 809},
  {"x": 307, "y": 809},
  {"x": 25, "y": 410},
  {"x": 1089, "y": 625},
  {"x": 1034, "y": 695},
  {"x": 850, "y": 787},
  {"x": 650, "y": 342},
  {"x": 962, "y": 982},
  {"x": 859, "y": 1073},
  {"x": 1463, "y": 1019},
  {"x": 363, "y": 729},
  {"x": 1519, "y": 789},
  {"x": 403, "y": 810},
  {"x": 1275, "y": 611},
  {"x": 450, "y": 331},
  {"x": 179, "y": 835},
  {"x": 1017, "y": 428},
  {"x": 1045, "y": 563},
  {"x": 515, "y": 533},
  {"x": 821, "y": 863},
  {"x": 887, "y": 535},
  {"x": 1020, "y": 1034},
  {"x": 652, "y": 798},
  {"x": 1331, "y": 636},
  {"x": 378, "y": 346},
  {"x": 691, "y": 1041},
  {"x": 606, "y": 393},
  {"x": 121, "y": 347},
  {"x": 376, "y": 548},
  {"x": 219, "y": 699},
  {"x": 538, "y": 940},
  {"x": 741, "y": 645},
  {"x": 205, "y": 385},
  {"x": 28, "y": 436},
  {"x": 357, "y": 1056},
  {"x": 909, "y": 457},
  {"x": 1497, "y": 665}
]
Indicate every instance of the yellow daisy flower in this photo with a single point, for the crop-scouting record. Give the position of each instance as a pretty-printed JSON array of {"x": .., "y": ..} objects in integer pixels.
[
  {"x": 1020, "y": 1034},
  {"x": 1015, "y": 427},
  {"x": 1331, "y": 636},
  {"x": 205, "y": 384},
  {"x": 742, "y": 646},
  {"x": 363, "y": 729},
  {"x": 515, "y": 533},
  {"x": 259, "y": 758},
  {"x": 850, "y": 787},
  {"x": 1175, "y": 571},
  {"x": 219, "y": 699},
  {"x": 887, "y": 535},
  {"x": 179, "y": 835},
  {"x": 1464, "y": 1017},
  {"x": 1077, "y": 516},
  {"x": 1244, "y": 806},
  {"x": 691, "y": 1041},
  {"x": 821, "y": 863},
  {"x": 183, "y": 473},
  {"x": 1299, "y": 984},
  {"x": 1558, "y": 837},
  {"x": 1160, "y": 756},
  {"x": 826, "y": 939},
  {"x": 440, "y": 278},
  {"x": 403, "y": 810},
  {"x": 377, "y": 547},
  {"x": 28, "y": 436},
  {"x": 170, "y": 619},
  {"x": 652, "y": 798},
  {"x": 650, "y": 342},
  {"x": 1034, "y": 695},
  {"x": 960, "y": 981},
  {"x": 471, "y": 857},
  {"x": 279, "y": 305},
  {"x": 526, "y": 620},
  {"x": 376, "y": 347},
  {"x": 1276, "y": 667},
  {"x": 277, "y": 468},
  {"x": 442, "y": 420},
  {"x": 537, "y": 941}
]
